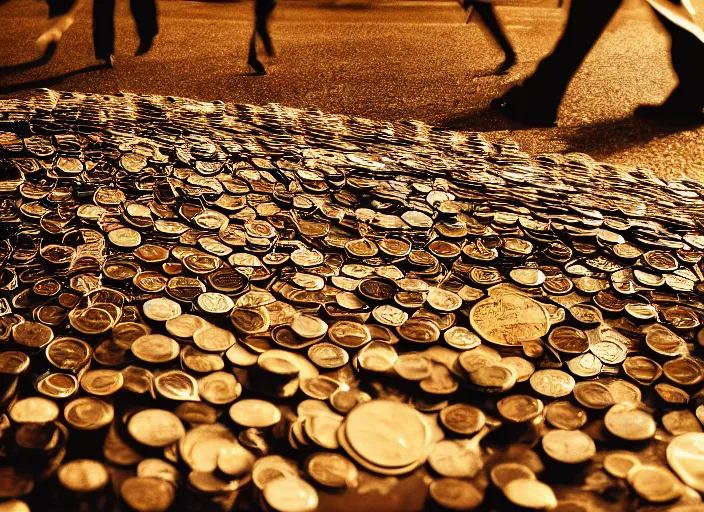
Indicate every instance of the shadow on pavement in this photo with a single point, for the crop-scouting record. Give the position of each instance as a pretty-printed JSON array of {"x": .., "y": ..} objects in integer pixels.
[
  {"x": 612, "y": 136},
  {"x": 482, "y": 120},
  {"x": 600, "y": 139},
  {"x": 48, "y": 81}
]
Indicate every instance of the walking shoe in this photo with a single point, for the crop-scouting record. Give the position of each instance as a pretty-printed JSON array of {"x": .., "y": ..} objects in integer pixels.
[
  {"x": 515, "y": 106},
  {"x": 507, "y": 64},
  {"x": 144, "y": 47},
  {"x": 108, "y": 61}
]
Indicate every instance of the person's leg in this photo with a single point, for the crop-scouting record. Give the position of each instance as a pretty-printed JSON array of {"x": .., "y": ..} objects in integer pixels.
[
  {"x": 104, "y": 28},
  {"x": 145, "y": 17},
  {"x": 252, "y": 59},
  {"x": 488, "y": 15},
  {"x": 686, "y": 101},
  {"x": 541, "y": 94},
  {"x": 263, "y": 11}
]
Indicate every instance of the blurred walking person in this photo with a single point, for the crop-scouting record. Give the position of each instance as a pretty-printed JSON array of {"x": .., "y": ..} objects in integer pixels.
[
  {"x": 262, "y": 13},
  {"x": 62, "y": 14},
  {"x": 145, "y": 17},
  {"x": 536, "y": 102},
  {"x": 487, "y": 13}
]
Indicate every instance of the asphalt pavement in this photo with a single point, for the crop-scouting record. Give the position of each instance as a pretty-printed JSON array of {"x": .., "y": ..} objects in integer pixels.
[{"x": 384, "y": 60}]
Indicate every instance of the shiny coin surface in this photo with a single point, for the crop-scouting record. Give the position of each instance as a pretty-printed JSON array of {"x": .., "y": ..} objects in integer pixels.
[
  {"x": 388, "y": 434},
  {"x": 254, "y": 413}
]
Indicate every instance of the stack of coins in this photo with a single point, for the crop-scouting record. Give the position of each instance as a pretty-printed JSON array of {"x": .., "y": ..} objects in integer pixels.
[{"x": 271, "y": 308}]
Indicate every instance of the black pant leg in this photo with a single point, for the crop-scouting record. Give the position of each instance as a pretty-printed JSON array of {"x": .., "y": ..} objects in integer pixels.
[
  {"x": 104, "y": 28},
  {"x": 587, "y": 20},
  {"x": 687, "y": 57},
  {"x": 488, "y": 15},
  {"x": 145, "y": 17},
  {"x": 262, "y": 13}
]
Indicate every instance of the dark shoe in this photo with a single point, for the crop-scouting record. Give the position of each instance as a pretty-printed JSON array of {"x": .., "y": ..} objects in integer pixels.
[
  {"x": 671, "y": 112},
  {"x": 144, "y": 47},
  {"x": 517, "y": 107},
  {"x": 507, "y": 64},
  {"x": 257, "y": 66},
  {"x": 108, "y": 61}
]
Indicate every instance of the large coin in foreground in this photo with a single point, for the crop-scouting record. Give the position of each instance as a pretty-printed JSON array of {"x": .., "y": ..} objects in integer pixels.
[
  {"x": 509, "y": 319},
  {"x": 387, "y": 433},
  {"x": 685, "y": 454}
]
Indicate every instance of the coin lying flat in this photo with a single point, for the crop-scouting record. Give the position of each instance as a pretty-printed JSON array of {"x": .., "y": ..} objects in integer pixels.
[
  {"x": 83, "y": 475},
  {"x": 162, "y": 254},
  {"x": 155, "y": 427},
  {"x": 388, "y": 434},
  {"x": 496, "y": 319},
  {"x": 455, "y": 494},
  {"x": 254, "y": 413}
]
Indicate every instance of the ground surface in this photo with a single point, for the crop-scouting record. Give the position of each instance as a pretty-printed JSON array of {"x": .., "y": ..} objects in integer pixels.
[{"x": 400, "y": 60}]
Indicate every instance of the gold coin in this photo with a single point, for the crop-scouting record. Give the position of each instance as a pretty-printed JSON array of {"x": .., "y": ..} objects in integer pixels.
[
  {"x": 618, "y": 464},
  {"x": 213, "y": 339},
  {"x": 155, "y": 427},
  {"x": 388, "y": 434},
  {"x": 83, "y": 475},
  {"x": 563, "y": 415},
  {"x": 328, "y": 356},
  {"x": 88, "y": 413},
  {"x": 506, "y": 472},
  {"x": 519, "y": 408},
  {"x": 309, "y": 326},
  {"x": 290, "y": 494},
  {"x": 552, "y": 383},
  {"x": 413, "y": 366},
  {"x": 184, "y": 326},
  {"x": 654, "y": 483},
  {"x": 455, "y": 494},
  {"x": 454, "y": 459},
  {"x": 235, "y": 460},
  {"x": 626, "y": 421},
  {"x": 176, "y": 385},
  {"x": 102, "y": 382},
  {"x": 202, "y": 445},
  {"x": 461, "y": 338},
  {"x": 530, "y": 493},
  {"x": 568, "y": 446},
  {"x": 159, "y": 469},
  {"x": 215, "y": 303},
  {"x": 148, "y": 494},
  {"x": 462, "y": 419},
  {"x": 509, "y": 319},
  {"x": 253, "y": 413},
  {"x": 125, "y": 238},
  {"x": 685, "y": 455},
  {"x": 34, "y": 409},
  {"x": 155, "y": 348},
  {"x": 219, "y": 388},
  {"x": 161, "y": 309},
  {"x": 332, "y": 470}
]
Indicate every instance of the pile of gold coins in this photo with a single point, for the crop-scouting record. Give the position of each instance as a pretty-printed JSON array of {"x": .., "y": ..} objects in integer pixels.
[{"x": 208, "y": 306}]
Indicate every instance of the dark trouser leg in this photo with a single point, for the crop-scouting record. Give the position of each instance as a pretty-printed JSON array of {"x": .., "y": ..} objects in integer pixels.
[
  {"x": 261, "y": 27},
  {"x": 488, "y": 15},
  {"x": 687, "y": 54},
  {"x": 262, "y": 13},
  {"x": 252, "y": 59},
  {"x": 104, "y": 28},
  {"x": 585, "y": 24},
  {"x": 145, "y": 17}
]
